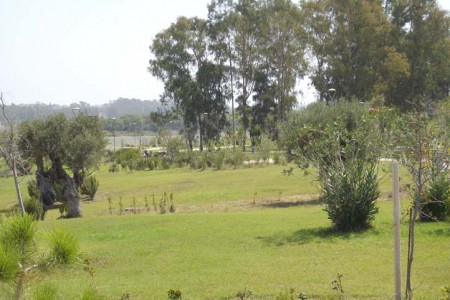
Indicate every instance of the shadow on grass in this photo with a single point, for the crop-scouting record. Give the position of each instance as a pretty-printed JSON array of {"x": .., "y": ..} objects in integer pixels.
[
  {"x": 305, "y": 236},
  {"x": 440, "y": 232},
  {"x": 286, "y": 204}
]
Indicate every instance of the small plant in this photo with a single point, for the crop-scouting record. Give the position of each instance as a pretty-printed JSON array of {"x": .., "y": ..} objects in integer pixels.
[
  {"x": 114, "y": 168},
  {"x": 64, "y": 247},
  {"x": 46, "y": 292},
  {"x": 302, "y": 296},
  {"x": 244, "y": 295},
  {"x": 287, "y": 295},
  {"x": 337, "y": 286},
  {"x": 219, "y": 158},
  {"x": 110, "y": 208},
  {"x": 172, "y": 206},
  {"x": 154, "y": 204},
  {"x": 147, "y": 206},
  {"x": 173, "y": 294},
  {"x": 89, "y": 187},
  {"x": 18, "y": 259},
  {"x": 35, "y": 208},
  {"x": 120, "y": 206},
  {"x": 135, "y": 210},
  {"x": 162, "y": 204},
  {"x": 125, "y": 296},
  {"x": 445, "y": 293},
  {"x": 436, "y": 203},
  {"x": 91, "y": 293}
]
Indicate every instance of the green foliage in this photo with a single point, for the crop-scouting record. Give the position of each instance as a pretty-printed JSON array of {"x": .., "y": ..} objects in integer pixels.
[
  {"x": 91, "y": 293},
  {"x": 343, "y": 142},
  {"x": 46, "y": 291},
  {"x": 174, "y": 294},
  {"x": 33, "y": 189},
  {"x": 9, "y": 268},
  {"x": 127, "y": 158},
  {"x": 64, "y": 247},
  {"x": 89, "y": 187},
  {"x": 35, "y": 208},
  {"x": 174, "y": 146},
  {"x": 264, "y": 148},
  {"x": 219, "y": 159},
  {"x": 350, "y": 195},
  {"x": 436, "y": 202},
  {"x": 114, "y": 168},
  {"x": 17, "y": 235}
]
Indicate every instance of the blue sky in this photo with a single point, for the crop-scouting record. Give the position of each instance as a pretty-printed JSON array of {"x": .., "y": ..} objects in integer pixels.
[{"x": 66, "y": 51}]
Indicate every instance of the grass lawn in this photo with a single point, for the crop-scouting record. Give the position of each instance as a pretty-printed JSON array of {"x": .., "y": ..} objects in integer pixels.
[{"x": 219, "y": 242}]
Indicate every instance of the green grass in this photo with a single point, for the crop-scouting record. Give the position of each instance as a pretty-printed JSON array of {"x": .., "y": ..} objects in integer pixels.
[{"x": 219, "y": 243}]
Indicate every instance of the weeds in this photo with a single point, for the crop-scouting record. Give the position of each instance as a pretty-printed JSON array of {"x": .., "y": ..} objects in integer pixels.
[
  {"x": 173, "y": 294},
  {"x": 244, "y": 295},
  {"x": 337, "y": 286}
]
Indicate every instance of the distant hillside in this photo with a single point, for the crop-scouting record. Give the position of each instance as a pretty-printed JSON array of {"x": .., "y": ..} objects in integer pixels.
[{"x": 115, "y": 108}]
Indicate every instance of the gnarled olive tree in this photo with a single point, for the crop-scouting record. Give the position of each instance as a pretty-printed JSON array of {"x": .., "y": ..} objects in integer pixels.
[{"x": 59, "y": 146}]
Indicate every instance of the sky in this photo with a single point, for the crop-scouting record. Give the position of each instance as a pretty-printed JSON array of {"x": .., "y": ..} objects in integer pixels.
[{"x": 67, "y": 51}]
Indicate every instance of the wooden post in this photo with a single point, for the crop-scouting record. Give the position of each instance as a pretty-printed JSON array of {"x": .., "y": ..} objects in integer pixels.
[{"x": 396, "y": 212}]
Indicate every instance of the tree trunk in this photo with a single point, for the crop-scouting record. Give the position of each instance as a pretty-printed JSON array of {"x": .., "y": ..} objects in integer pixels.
[{"x": 72, "y": 198}]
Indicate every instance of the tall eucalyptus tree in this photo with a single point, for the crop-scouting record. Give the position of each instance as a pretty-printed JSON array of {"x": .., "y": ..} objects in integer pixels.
[
  {"x": 181, "y": 59},
  {"x": 350, "y": 46}
]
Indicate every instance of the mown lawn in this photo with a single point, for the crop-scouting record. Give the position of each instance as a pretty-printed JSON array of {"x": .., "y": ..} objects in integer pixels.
[{"x": 219, "y": 242}]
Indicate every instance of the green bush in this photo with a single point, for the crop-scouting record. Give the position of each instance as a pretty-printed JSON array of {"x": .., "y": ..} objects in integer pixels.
[
  {"x": 34, "y": 208},
  {"x": 174, "y": 146},
  {"x": 89, "y": 187},
  {"x": 219, "y": 159},
  {"x": 343, "y": 143},
  {"x": 127, "y": 158},
  {"x": 436, "y": 205},
  {"x": 114, "y": 168},
  {"x": 9, "y": 268},
  {"x": 350, "y": 195},
  {"x": 33, "y": 189},
  {"x": 64, "y": 247}
]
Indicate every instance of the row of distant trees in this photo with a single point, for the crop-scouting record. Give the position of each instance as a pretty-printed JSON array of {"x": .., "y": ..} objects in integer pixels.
[
  {"x": 252, "y": 54},
  {"x": 113, "y": 109}
]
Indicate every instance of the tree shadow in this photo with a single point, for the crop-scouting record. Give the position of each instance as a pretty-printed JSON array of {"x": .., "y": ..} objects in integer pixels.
[
  {"x": 287, "y": 204},
  {"x": 440, "y": 232},
  {"x": 305, "y": 236}
]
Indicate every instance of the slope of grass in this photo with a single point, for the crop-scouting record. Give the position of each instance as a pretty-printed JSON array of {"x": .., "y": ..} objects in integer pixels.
[
  {"x": 268, "y": 251},
  {"x": 226, "y": 245}
]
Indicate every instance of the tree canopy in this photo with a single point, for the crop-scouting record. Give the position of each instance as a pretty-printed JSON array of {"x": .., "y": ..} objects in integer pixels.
[{"x": 369, "y": 49}]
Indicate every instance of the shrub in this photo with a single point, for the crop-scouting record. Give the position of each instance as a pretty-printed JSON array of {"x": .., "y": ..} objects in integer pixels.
[
  {"x": 127, "y": 158},
  {"x": 235, "y": 158},
  {"x": 173, "y": 294},
  {"x": 264, "y": 148},
  {"x": 33, "y": 189},
  {"x": 89, "y": 187},
  {"x": 34, "y": 208},
  {"x": 64, "y": 247},
  {"x": 114, "y": 168},
  {"x": 436, "y": 204},
  {"x": 174, "y": 146},
  {"x": 343, "y": 143},
  {"x": 9, "y": 269},
  {"x": 219, "y": 158},
  {"x": 350, "y": 194}
]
